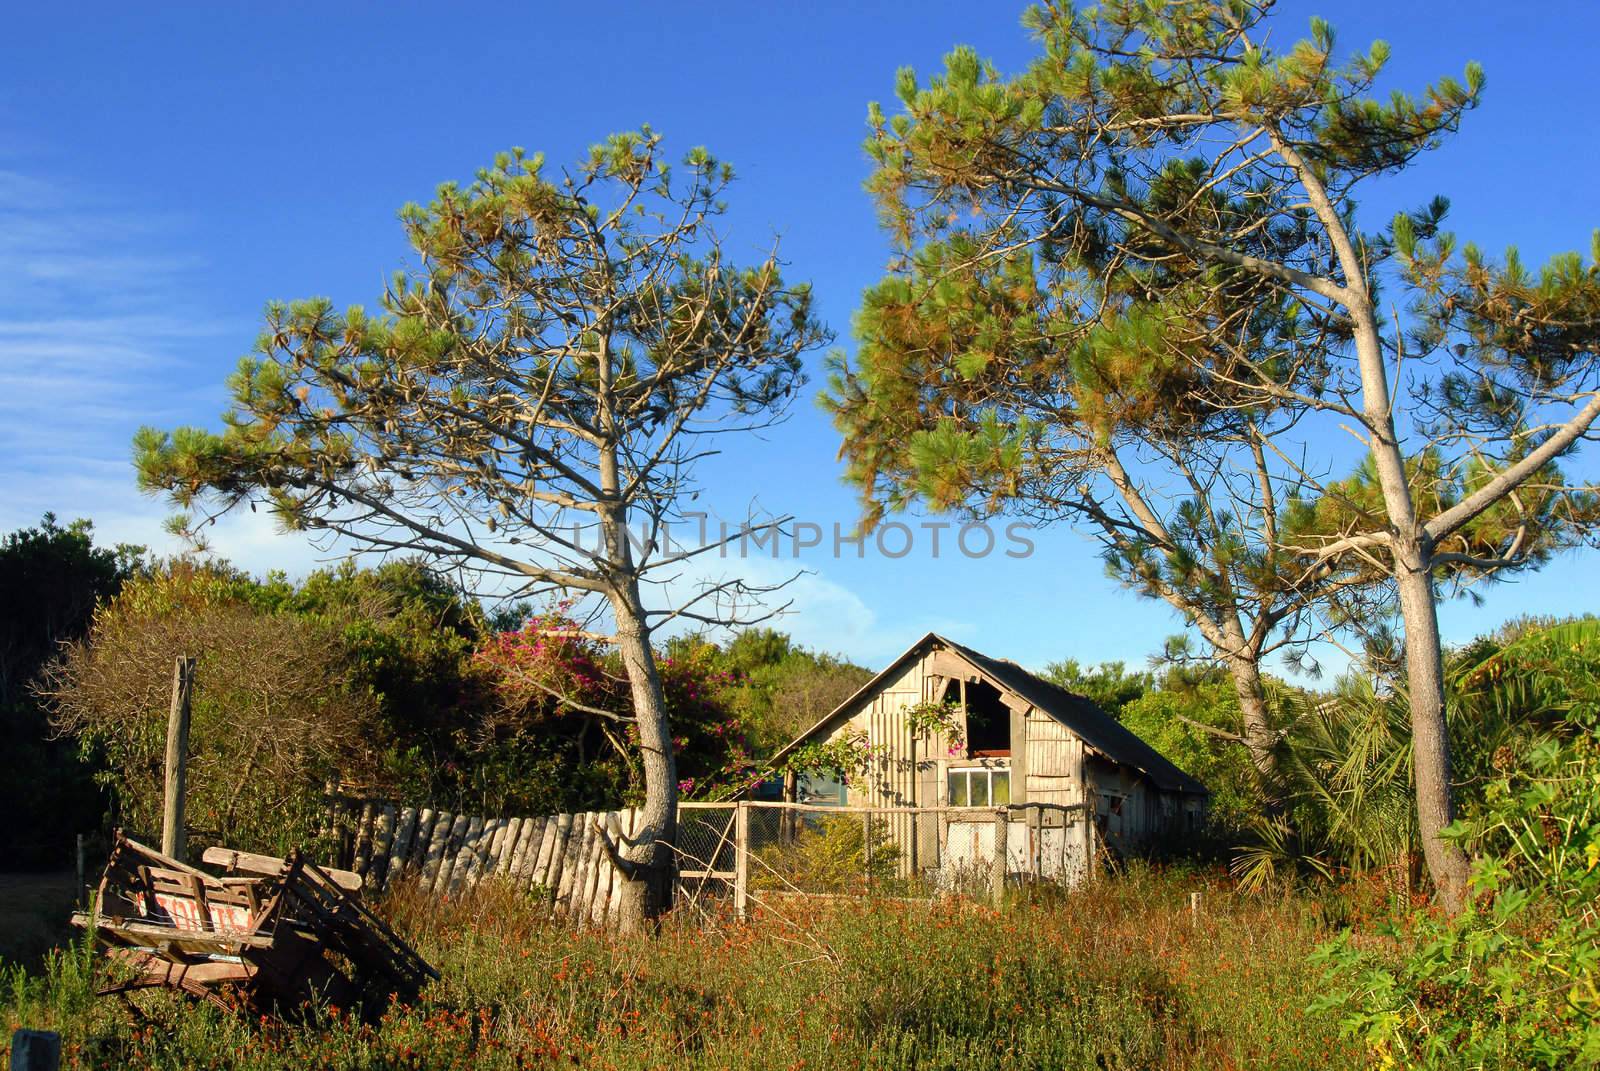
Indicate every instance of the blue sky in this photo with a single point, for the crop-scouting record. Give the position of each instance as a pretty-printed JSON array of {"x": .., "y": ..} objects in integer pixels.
[{"x": 162, "y": 175}]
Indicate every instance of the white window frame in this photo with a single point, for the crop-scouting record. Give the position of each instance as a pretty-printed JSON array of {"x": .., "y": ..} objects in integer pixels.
[{"x": 990, "y": 771}]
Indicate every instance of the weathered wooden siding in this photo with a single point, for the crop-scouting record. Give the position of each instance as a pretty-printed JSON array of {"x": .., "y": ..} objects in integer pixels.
[
  {"x": 1131, "y": 810},
  {"x": 1049, "y": 763},
  {"x": 1054, "y": 762},
  {"x": 894, "y": 779}
]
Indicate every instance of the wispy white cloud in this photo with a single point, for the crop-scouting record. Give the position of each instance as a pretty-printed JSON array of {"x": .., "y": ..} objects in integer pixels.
[
  {"x": 84, "y": 361},
  {"x": 20, "y": 192}
]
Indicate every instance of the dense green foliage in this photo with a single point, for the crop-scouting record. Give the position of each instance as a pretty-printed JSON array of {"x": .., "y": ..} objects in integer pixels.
[
  {"x": 1169, "y": 720},
  {"x": 1511, "y": 981},
  {"x": 1119, "y": 976},
  {"x": 389, "y": 681},
  {"x": 832, "y": 854},
  {"x": 277, "y": 712},
  {"x": 1172, "y": 712},
  {"x": 1136, "y": 286},
  {"x": 1346, "y": 756},
  {"x": 1111, "y": 685},
  {"x": 556, "y": 732},
  {"x": 777, "y": 688},
  {"x": 51, "y": 578},
  {"x": 533, "y": 391}
]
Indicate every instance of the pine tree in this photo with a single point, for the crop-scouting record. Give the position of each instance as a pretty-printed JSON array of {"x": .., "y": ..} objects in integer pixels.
[
  {"x": 528, "y": 405},
  {"x": 1148, "y": 242}
]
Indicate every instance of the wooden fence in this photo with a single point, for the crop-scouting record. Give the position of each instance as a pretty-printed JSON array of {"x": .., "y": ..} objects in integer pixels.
[
  {"x": 726, "y": 851},
  {"x": 559, "y": 857}
]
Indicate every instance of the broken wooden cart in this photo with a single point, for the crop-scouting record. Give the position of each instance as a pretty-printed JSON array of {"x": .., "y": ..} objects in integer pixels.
[{"x": 266, "y": 935}]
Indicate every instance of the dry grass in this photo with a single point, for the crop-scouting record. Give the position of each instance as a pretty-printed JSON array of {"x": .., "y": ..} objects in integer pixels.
[{"x": 1121, "y": 975}]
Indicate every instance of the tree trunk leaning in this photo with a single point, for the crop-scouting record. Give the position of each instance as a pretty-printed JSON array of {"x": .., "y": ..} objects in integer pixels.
[{"x": 647, "y": 892}]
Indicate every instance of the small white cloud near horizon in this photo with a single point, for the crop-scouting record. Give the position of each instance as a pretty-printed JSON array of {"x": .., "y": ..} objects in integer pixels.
[{"x": 84, "y": 361}]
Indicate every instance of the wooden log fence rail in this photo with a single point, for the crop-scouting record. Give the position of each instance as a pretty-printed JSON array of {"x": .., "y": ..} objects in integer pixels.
[{"x": 558, "y": 857}]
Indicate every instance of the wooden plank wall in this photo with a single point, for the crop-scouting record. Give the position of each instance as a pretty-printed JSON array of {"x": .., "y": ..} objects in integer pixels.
[
  {"x": 1054, "y": 762},
  {"x": 561, "y": 857},
  {"x": 894, "y": 779}
]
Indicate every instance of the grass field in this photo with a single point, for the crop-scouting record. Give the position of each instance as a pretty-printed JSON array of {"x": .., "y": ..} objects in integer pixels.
[{"x": 1120, "y": 975}]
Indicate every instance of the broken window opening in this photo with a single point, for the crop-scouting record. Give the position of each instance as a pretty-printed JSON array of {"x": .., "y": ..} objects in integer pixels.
[{"x": 988, "y": 719}]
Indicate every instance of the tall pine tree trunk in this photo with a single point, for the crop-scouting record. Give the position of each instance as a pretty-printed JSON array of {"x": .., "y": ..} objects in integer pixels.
[
  {"x": 647, "y": 891},
  {"x": 1411, "y": 557},
  {"x": 1259, "y": 738},
  {"x": 1430, "y": 734},
  {"x": 647, "y": 888},
  {"x": 1410, "y": 553}
]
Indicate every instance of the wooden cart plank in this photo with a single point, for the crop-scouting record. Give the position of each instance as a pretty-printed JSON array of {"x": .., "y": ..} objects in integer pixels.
[{"x": 271, "y": 866}]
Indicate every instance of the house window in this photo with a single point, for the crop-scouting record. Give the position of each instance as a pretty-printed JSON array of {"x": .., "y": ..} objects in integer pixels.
[
  {"x": 979, "y": 787},
  {"x": 822, "y": 790},
  {"x": 988, "y": 719}
]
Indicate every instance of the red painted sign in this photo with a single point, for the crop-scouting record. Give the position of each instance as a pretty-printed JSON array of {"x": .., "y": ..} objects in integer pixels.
[{"x": 183, "y": 913}]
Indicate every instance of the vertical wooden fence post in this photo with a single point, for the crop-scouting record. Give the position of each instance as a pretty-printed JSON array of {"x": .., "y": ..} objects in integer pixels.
[
  {"x": 1091, "y": 836},
  {"x": 866, "y": 848},
  {"x": 1036, "y": 841},
  {"x": 172, "y": 836},
  {"x": 788, "y": 820},
  {"x": 997, "y": 866},
  {"x": 741, "y": 861}
]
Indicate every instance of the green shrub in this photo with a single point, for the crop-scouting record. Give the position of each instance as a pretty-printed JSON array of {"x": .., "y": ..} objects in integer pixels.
[
  {"x": 829, "y": 854},
  {"x": 1511, "y": 981}
]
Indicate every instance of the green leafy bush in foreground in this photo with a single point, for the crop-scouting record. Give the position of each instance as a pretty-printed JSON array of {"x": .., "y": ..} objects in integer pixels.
[
  {"x": 1512, "y": 981},
  {"x": 1120, "y": 975}
]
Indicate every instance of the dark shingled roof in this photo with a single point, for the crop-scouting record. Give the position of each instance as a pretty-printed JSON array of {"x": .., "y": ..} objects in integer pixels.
[{"x": 1080, "y": 714}]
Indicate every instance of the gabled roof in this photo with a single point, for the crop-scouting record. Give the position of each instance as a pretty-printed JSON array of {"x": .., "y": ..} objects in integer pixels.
[
  {"x": 1083, "y": 716},
  {"x": 1079, "y": 713}
]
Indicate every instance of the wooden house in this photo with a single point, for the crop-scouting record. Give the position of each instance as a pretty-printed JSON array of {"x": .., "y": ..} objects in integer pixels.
[{"x": 1022, "y": 740}]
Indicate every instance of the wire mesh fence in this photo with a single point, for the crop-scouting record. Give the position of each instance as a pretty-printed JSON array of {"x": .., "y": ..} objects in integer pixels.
[
  {"x": 708, "y": 853},
  {"x": 739, "y": 852}
]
